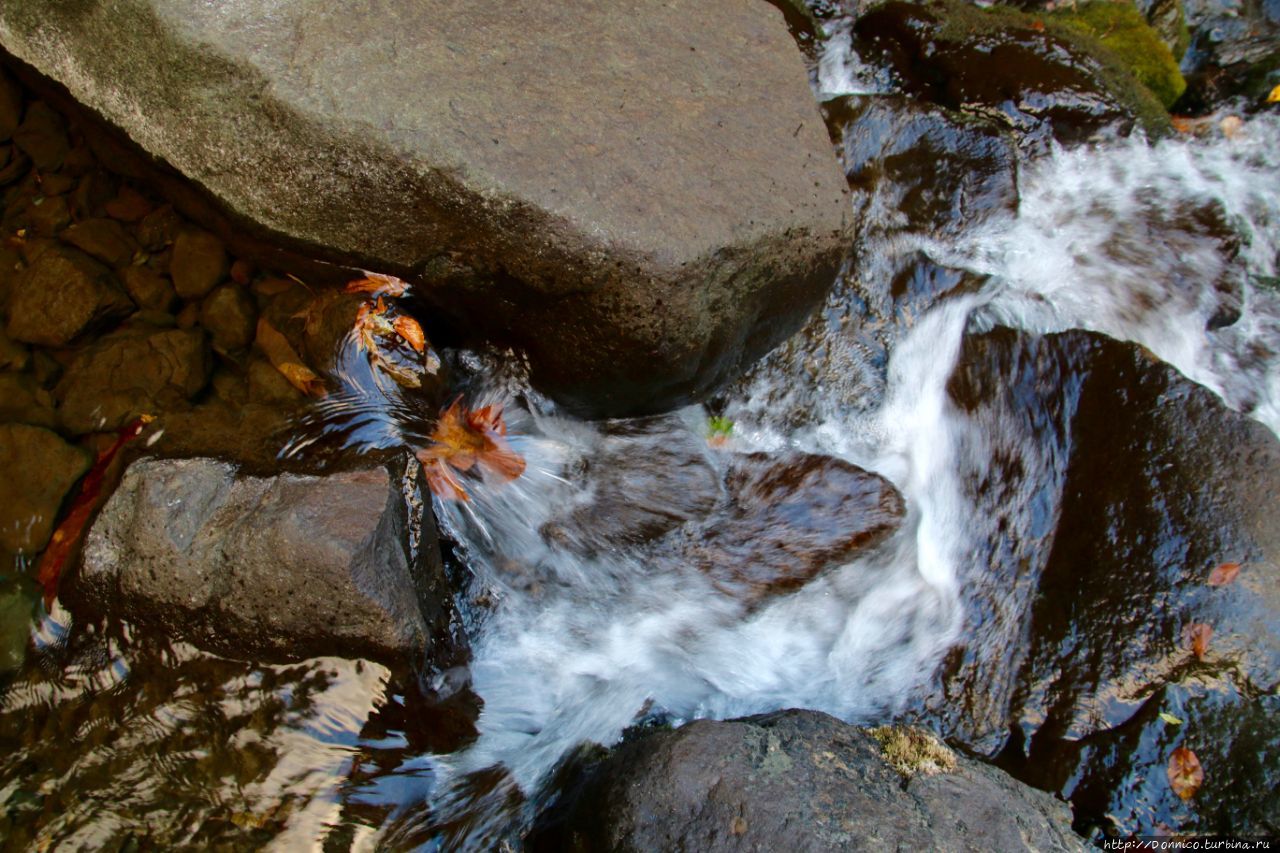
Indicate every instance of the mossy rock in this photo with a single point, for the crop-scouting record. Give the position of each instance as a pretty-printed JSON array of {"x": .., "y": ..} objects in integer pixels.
[
  {"x": 1169, "y": 20},
  {"x": 1125, "y": 32}
]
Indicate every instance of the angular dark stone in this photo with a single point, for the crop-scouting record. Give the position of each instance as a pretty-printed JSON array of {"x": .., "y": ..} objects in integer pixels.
[
  {"x": 135, "y": 371},
  {"x": 37, "y": 469},
  {"x": 10, "y": 106},
  {"x": 62, "y": 294},
  {"x": 43, "y": 136},
  {"x": 285, "y": 567},
  {"x": 199, "y": 263},
  {"x": 105, "y": 239},
  {"x": 148, "y": 288},
  {"x": 230, "y": 316}
]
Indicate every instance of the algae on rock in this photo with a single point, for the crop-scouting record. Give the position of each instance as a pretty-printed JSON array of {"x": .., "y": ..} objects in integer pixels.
[{"x": 1121, "y": 28}]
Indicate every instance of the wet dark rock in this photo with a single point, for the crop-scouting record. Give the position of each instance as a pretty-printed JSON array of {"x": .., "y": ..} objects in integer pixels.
[
  {"x": 788, "y": 518},
  {"x": 647, "y": 478},
  {"x": 37, "y": 469},
  {"x": 230, "y": 316},
  {"x": 16, "y": 168},
  {"x": 128, "y": 206},
  {"x": 137, "y": 370},
  {"x": 801, "y": 776},
  {"x": 105, "y": 239},
  {"x": 23, "y": 401},
  {"x": 10, "y": 106},
  {"x": 48, "y": 215},
  {"x": 284, "y": 567},
  {"x": 1044, "y": 79},
  {"x": 268, "y": 385},
  {"x": 941, "y": 171},
  {"x": 42, "y": 136},
  {"x": 89, "y": 200},
  {"x": 148, "y": 288},
  {"x": 62, "y": 294},
  {"x": 642, "y": 245},
  {"x": 13, "y": 355},
  {"x": 199, "y": 263},
  {"x": 159, "y": 228},
  {"x": 1235, "y": 51},
  {"x": 1133, "y": 484}
]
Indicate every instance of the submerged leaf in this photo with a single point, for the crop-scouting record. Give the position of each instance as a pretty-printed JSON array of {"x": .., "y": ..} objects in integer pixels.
[
  {"x": 409, "y": 329},
  {"x": 1197, "y": 636},
  {"x": 70, "y": 530},
  {"x": 1170, "y": 719},
  {"x": 1185, "y": 774},
  {"x": 283, "y": 358},
  {"x": 1223, "y": 574}
]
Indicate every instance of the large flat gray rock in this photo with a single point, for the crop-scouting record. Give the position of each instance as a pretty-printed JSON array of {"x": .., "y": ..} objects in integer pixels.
[{"x": 643, "y": 195}]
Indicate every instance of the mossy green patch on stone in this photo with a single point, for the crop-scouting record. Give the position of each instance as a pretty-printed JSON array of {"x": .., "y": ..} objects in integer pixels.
[
  {"x": 1121, "y": 28},
  {"x": 913, "y": 752}
]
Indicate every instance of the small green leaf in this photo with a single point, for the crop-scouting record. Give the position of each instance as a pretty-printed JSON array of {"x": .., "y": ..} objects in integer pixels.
[
  {"x": 1170, "y": 719},
  {"x": 717, "y": 425}
]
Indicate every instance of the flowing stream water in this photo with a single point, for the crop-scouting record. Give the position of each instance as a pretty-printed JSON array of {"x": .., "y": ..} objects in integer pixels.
[
  {"x": 574, "y": 648},
  {"x": 1170, "y": 245}
]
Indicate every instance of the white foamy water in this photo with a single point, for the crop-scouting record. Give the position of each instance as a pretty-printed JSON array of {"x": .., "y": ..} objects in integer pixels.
[
  {"x": 1132, "y": 241},
  {"x": 1149, "y": 244}
]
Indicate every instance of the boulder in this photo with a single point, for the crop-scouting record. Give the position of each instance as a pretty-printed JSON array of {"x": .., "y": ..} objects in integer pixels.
[
  {"x": 642, "y": 197},
  {"x": 788, "y": 518},
  {"x": 282, "y": 567},
  {"x": 1044, "y": 78},
  {"x": 37, "y": 469},
  {"x": 62, "y": 294},
  {"x": 137, "y": 370},
  {"x": 801, "y": 776}
]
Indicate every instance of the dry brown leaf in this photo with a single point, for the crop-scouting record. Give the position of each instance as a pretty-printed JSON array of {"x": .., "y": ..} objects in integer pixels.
[
  {"x": 283, "y": 358},
  {"x": 1223, "y": 574},
  {"x": 1185, "y": 773}
]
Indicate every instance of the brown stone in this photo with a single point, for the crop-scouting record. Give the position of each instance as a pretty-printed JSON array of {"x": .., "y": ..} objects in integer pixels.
[
  {"x": 199, "y": 263},
  {"x": 105, "y": 239},
  {"x": 37, "y": 469},
  {"x": 63, "y": 293}
]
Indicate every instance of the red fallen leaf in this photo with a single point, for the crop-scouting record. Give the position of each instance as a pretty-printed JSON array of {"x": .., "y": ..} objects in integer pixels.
[
  {"x": 377, "y": 284},
  {"x": 1038, "y": 26},
  {"x": 409, "y": 329},
  {"x": 464, "y": 439},
  {"x": 1223, "y": 574},
  {"x": 1197, "y": 636},
  {"x": 1185, "y": 773},
  {"x": 70, "y": 530}
]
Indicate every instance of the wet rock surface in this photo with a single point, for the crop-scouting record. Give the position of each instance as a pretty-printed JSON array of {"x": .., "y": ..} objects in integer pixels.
[
  {"x": 137, "y": 370},
  {"x": 283, "y": 567},
  {"x": 802, "y": 776},
  {"x": 1041, "y": 78},
  {"x": 789, "y": 517},
  {"x": 642, "y": 244},
  {"x": 1233, "y": 52},
  {"x": 1141, "y": 484},
  {"x": 63, "y": 293},
  {"x": 37, "y": 469}
]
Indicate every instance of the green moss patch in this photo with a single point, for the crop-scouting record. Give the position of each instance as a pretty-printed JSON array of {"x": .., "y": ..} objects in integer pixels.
[{"x": 1121, "y": 28}]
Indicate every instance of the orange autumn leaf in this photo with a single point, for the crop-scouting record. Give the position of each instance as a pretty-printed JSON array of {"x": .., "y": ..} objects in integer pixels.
[
  {"x": 283, "y": 358},
  {"x": 411, "y": 331},
  {"x": 1184, "y": 124},
  {"x": 464, "y": 439},
  {"x": 377, "y": 284},
  {"x": 1197, "y": 635},
  {"x": 1223, "y": 574},
  {"x": 1185, "y": 773},
  {"x": 70, "y": 531}
]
